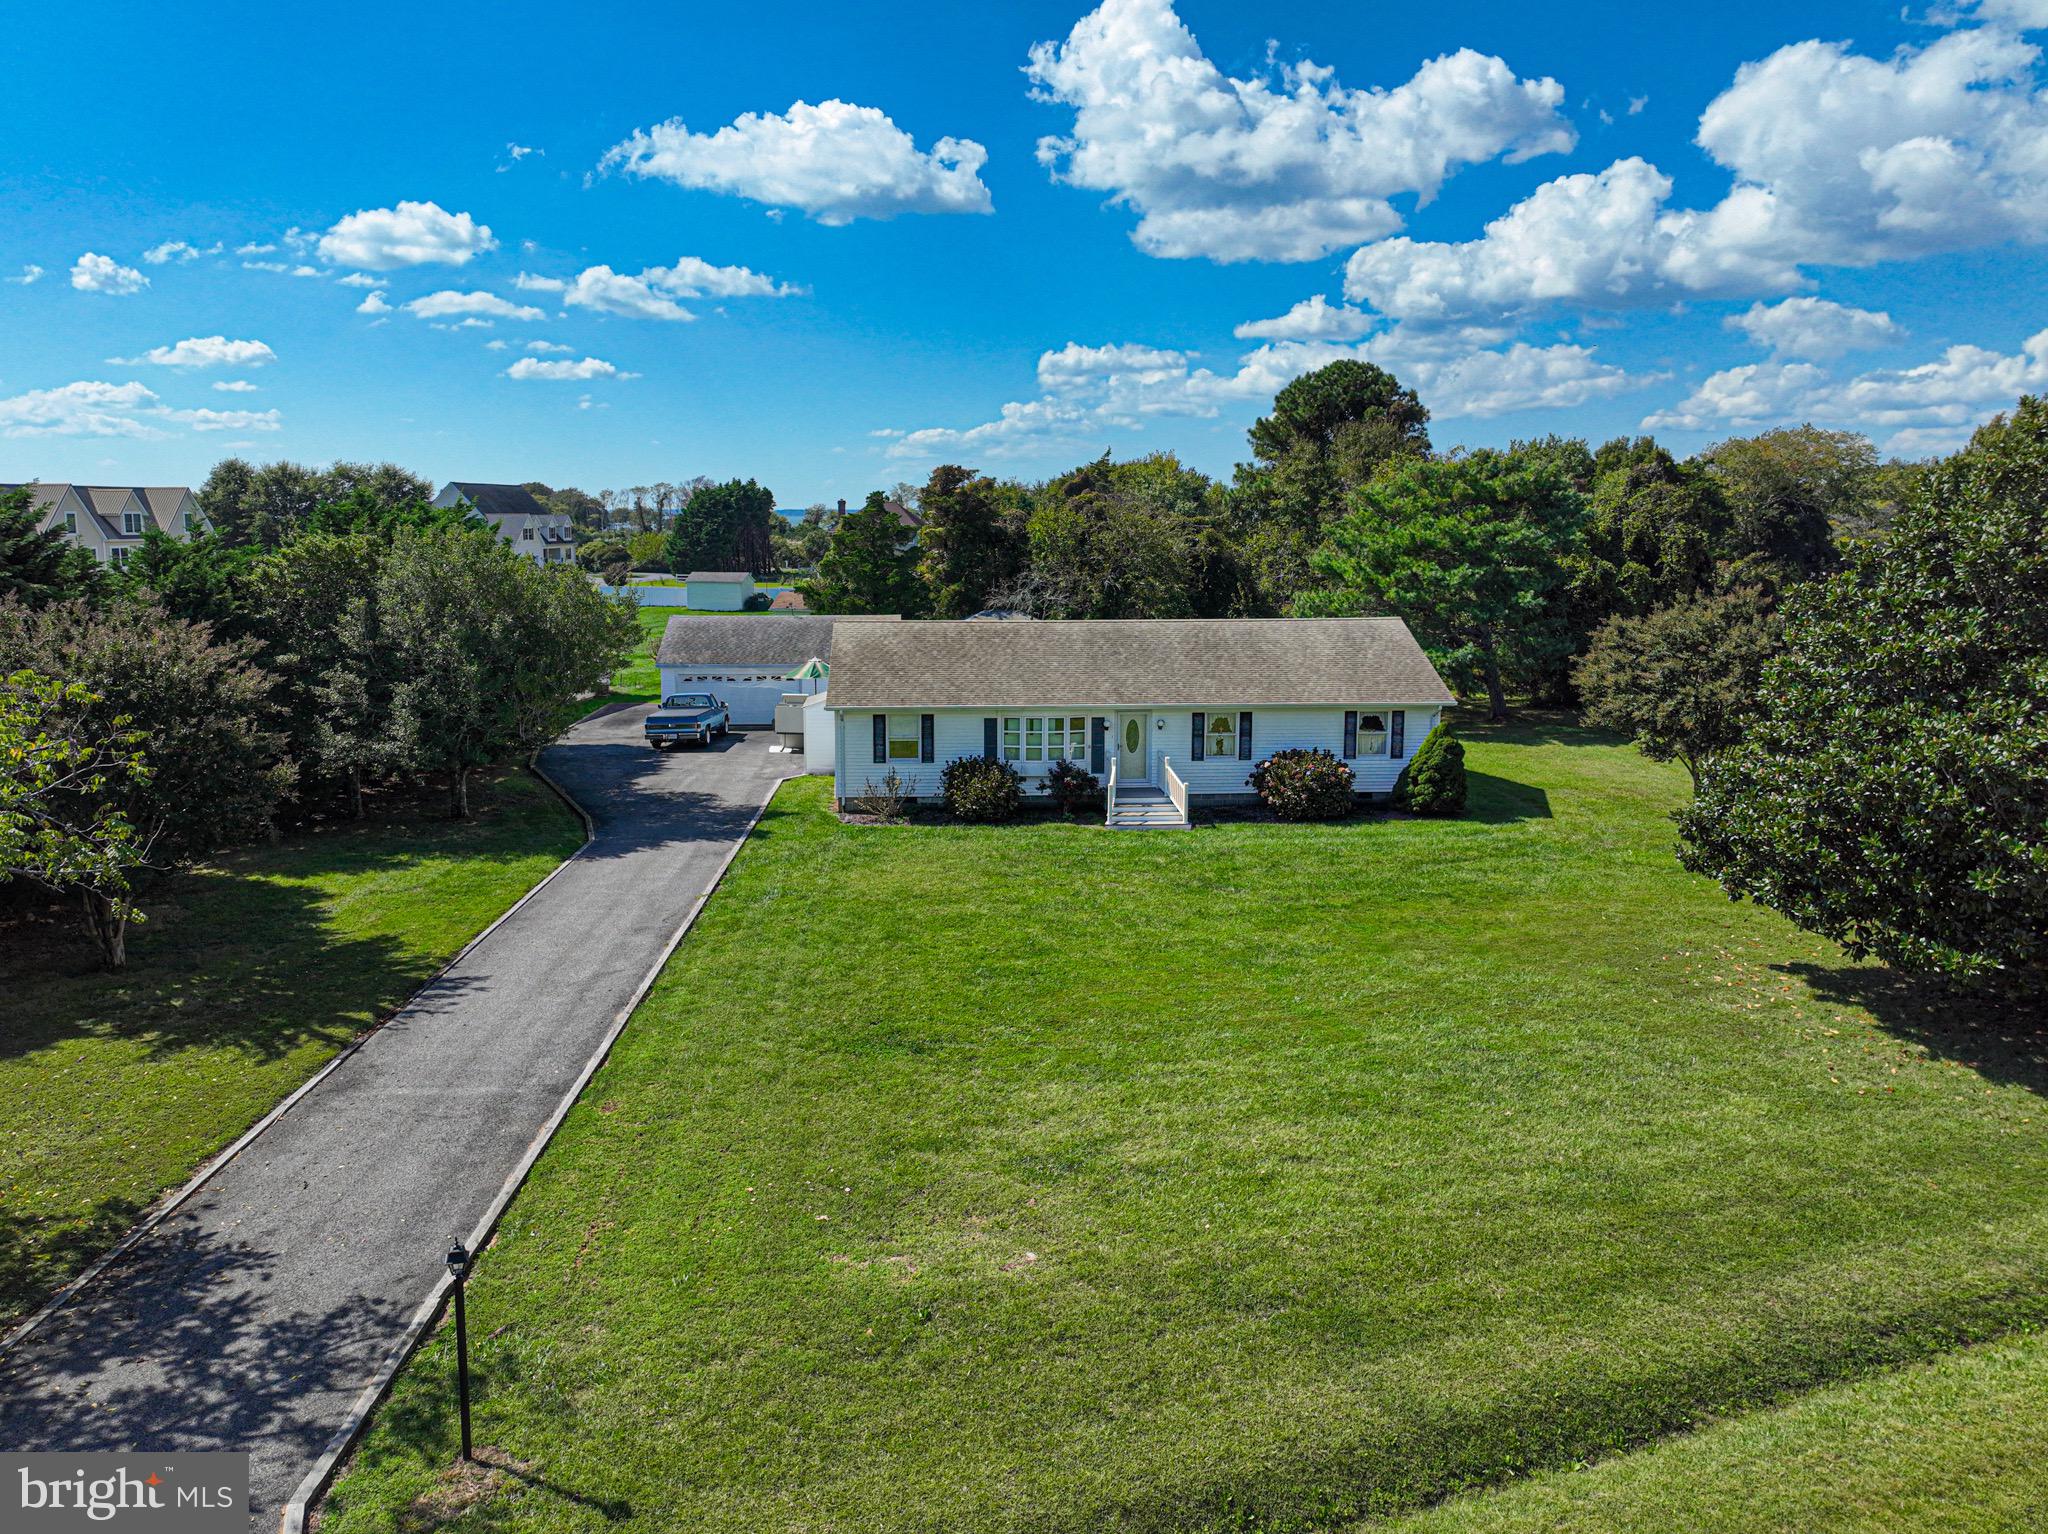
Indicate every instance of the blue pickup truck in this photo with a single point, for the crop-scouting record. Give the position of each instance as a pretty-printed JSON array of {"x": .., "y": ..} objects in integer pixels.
[{"x": 687, "y": 719}]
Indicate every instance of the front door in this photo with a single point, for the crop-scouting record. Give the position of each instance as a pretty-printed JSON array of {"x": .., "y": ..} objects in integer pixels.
[{"x": 1131, "y": 760}]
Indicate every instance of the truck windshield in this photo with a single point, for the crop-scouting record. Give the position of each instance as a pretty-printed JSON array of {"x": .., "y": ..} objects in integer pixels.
[{"x": 687, "y": 700}]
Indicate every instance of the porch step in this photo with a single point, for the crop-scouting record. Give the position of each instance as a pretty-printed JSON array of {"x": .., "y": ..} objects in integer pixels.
[{"x": 1141, "y": 807}]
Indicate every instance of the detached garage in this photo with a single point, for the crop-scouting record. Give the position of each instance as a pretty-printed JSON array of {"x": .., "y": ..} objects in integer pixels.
[{"x": 748, "y": 661}]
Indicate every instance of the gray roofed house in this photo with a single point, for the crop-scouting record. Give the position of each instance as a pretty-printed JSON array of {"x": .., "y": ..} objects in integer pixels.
[
  {"x": 1135, "y": 662},
  {"x": 518, "y": 516},
  {"x": 1165, "y": 711},
  {"x": 110, "y": 520},
  {"x": 752, "y": 641}
]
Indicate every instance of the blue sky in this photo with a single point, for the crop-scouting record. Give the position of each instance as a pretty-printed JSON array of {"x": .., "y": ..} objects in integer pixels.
[{"x": 829, "y": 246}]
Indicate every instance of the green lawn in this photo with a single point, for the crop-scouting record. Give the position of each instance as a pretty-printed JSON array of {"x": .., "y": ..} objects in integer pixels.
[
  {"x": 1261, "y": 1177},
  {"x": 639, "y": 679},
  {"x": 247, "y": 977},
  {"x": 1958, "y": 1445}
]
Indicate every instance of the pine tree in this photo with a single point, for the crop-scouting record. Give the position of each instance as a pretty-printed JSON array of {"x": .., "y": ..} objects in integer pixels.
[
  {"x": 38, "y": 567},
  {"x": 865, "y": 571}
]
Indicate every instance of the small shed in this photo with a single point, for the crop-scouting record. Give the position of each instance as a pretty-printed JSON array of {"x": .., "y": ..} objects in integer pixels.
[{"x": 718, "y": 591}]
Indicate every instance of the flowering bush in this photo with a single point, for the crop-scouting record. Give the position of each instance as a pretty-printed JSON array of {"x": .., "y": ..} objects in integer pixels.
[
  {"x": 977, "y": 789},
  {"x": 1304, "y": 784}
]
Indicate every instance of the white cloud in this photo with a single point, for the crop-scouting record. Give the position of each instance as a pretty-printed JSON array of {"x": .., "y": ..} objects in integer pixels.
[
  {"x": 589, "y": 367},
  {"x": 95, "y": 409},
  {"x": 94, "y": 273},
  {"x": 359, "y": 280},
  {"x": 203, "y": 352},
  {"x": 410, "y": 234},
  {"x": 256, "y": 248},
  {"x": 1313, "y": 319},
  {"x": 547, "y": 348},
  {"x": 449, "y": 302},
  {"x": 517, "y": 152},
  {"x": 1636, "y": 105},
  {"x": 835, "y": 161},
  {"x": 1814, "y": 327},
  {"x": 1836, "y": 159},
  {"x": 1259, "y": 169},
  {"x": 1962, "y": 387},
  {"x": 29, "y": 273},
  {"x": 177, "y": 250},
  {"x": 234, "y": 386},
  {"x": 652, "y": 294},
  {"x": 2021, "y": 15},
  {"x": 1087, "y": 392},
  {"x": 373, "y": 303},
  {"x": 266, "y": 266}
]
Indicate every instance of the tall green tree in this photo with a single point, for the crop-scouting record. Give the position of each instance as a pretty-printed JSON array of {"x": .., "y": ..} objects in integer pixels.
[
  {"x": 724, "y": 527},
  {"x": 1684, "y": 681},
  {"x": 1892, "y": 793},
  {"x": 1787, "y": 491},
  {"x": 266, "y": 505},
  {"x": 1654, "y": 530},
  {"x": 39, "y": 565},
  {"x": 1118, "y": 540},
  {"x": 966, "y": 548},
  {"x": 215, "y": 767},
  {"x": 865, "y": 570},
  {"x": 1472, "y": 553},
  {"x": 446, "y": 603},
  {"x": 62, "y": 776},
  {"x": 201, "y": 579}
]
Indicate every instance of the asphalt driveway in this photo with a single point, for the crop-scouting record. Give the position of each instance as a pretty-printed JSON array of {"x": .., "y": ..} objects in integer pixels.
[{"x": 253, "y": 1315}]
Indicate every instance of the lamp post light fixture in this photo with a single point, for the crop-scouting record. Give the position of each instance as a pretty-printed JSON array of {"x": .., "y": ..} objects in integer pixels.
[{"x": 458, "y": 1269}]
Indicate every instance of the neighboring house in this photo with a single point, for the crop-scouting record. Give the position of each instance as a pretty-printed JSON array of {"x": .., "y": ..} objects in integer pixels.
[
  {"x": 543, "y": 536},
  {"x": 718, "y": 591},
  {"x": 908, "y": 522},
  {"x": 791, "y": 601},
  {"x": 748, "y": 661},
  {"x": 111, "y": 519},
  {"x": 1166, "y": 711}
]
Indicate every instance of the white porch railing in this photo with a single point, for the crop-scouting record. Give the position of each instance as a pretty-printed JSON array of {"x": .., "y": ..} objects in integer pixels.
[
  {"x": 1176, "y": 786},
  {"x": 1109, "y": 793}
]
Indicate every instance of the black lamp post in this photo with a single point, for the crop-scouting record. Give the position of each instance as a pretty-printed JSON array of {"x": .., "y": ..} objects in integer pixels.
[{"x": 458, "y": 1269}]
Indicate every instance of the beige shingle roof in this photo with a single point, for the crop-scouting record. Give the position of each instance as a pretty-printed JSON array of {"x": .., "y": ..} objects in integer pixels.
[
  {"x": 1132, "y": 663},
  {"x": 755, "y": 639}
]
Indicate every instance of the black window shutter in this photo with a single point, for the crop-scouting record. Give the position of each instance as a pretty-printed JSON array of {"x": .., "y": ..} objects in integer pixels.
[
  {"x": 881, "y": 737},
  {"x": 1098, "y": 733},
  {"x": 1350, "y": 733},
  {"x": 1195, "y": 746},
  {"x": 926, "y": 744},
  {"x": 1397, "y": 739},
  {"x": 1244, "y": 737},
  {"x": 988, "y": 740}
]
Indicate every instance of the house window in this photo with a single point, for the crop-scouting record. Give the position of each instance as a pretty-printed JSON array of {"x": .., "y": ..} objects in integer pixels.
[
  {"x": 131, "y": 523},
  {"x": 118, "y": 556},
  {"x": 903, "y": 737},
  {"x": 1222, "y": 734},
  {"x": 1045, "y": 738},
  {"x": 1372, "y": 734},
  {"x": 526, "y": 533},
  {"x": 71, "y": 523}
]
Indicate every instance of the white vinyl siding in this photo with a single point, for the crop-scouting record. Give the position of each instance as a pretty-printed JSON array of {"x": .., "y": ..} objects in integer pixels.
[{"x": 958, "y": 733}]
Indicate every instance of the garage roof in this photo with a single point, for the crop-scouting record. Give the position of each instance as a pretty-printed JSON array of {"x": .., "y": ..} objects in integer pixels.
[
  {"x": 751, "y": 639},
  {"x": 1134, "y": 663}
]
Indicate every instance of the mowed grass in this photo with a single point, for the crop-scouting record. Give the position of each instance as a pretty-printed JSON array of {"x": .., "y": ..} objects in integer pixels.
[
  {"x": 638, "y": 680},
  {"x": 1045, "y": 1178},
  {"x": 248, "y": 976},
  {"x": 1957, "y": 1445}
]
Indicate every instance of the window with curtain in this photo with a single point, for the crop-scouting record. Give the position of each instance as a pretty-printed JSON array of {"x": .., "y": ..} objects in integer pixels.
[
  {"x": 1372, "y": 734},
  {"x": 905, "y": 735},
  {"x": 1222, "y": 733}
]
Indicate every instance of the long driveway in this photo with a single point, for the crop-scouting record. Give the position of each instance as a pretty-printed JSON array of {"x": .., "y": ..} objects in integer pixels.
[{"x": 254, "y": 1314}]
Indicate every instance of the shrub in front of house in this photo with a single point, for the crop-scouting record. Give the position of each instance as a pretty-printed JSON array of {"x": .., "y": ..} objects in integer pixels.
[
  {"x": 1304, "y": 783},
  {"x": 758, "y": 602},
  {"x": 1073, "y": 788},
  {"x": 980, "y": 790},
  {"x": 1434, "y": 782}
]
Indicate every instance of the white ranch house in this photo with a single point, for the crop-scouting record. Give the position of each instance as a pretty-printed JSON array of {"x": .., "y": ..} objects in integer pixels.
[{"x": 1167, "y": 712}]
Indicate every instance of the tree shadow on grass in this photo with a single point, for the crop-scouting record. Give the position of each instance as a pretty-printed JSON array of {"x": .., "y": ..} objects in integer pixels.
[
  {"x": 1498, "y": 801},
  {"x": 1529, "y": 727},
  {"x": 2003, "y": 1041}
]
